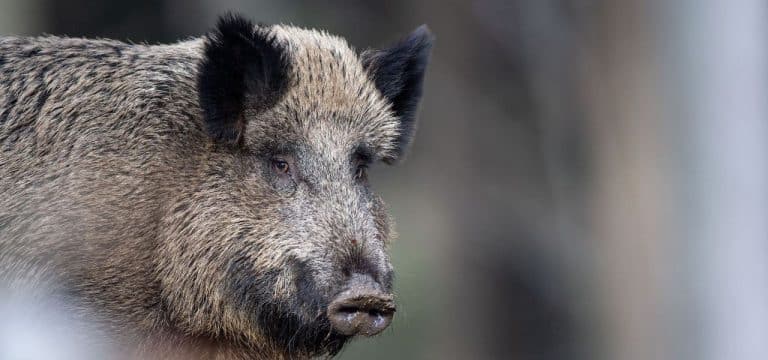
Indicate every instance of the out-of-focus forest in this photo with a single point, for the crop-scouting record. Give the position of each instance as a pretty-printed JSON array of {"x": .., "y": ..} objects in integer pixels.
[{"x": 588, "y": 180}]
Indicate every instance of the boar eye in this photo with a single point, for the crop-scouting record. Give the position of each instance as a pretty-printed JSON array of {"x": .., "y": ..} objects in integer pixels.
[{"x": 281, "y": 166}]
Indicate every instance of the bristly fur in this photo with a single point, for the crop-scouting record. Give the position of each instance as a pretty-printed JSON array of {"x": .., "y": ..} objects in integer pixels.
[
  {"x": 116, "y": 196},
  {"x": 399, "y": 75}
]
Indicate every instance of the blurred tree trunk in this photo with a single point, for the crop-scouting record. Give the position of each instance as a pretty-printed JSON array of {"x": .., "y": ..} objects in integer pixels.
[
  {"x": 630, "y": 204},
  {"x": 716, "y": 73}
]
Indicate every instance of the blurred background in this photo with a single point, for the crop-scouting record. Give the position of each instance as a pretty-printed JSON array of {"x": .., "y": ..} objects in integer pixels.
[{"x": 589, "y": 179}]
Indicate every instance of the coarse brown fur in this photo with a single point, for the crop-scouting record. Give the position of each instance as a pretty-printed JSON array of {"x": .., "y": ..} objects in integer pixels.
[{"x": 149, "y": 203}]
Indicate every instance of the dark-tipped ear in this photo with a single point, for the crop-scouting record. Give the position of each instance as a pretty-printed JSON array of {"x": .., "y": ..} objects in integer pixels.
[
  {"x": 398, "y": 73},
  {"x": 243, "y": 66}
]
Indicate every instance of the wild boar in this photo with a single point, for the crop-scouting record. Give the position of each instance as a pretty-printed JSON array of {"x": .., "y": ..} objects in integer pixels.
[{"x": 210, "y": 194}]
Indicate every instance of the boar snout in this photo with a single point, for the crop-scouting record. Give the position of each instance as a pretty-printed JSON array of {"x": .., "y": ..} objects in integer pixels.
[{"x": 363, "y": 308}]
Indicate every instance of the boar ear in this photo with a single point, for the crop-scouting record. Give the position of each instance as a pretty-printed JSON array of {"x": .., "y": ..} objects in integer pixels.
[
  {"x": 398, "y": 73},
  {"x": 242, "y": 66}
]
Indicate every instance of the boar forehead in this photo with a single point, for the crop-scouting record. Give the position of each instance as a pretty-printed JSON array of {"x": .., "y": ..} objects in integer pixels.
[{"x": 331, "y": 105}]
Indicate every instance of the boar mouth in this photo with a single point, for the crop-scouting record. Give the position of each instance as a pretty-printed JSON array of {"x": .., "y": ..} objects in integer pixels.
[
  {"x": 284, "y": 321},
  {"x": 296, "y": 335}
]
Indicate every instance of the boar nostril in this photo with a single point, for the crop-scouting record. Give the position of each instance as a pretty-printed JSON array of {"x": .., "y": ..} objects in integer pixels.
[
  {"x": 362, "y": 309},
  {"x": 361, "y": 314}
]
